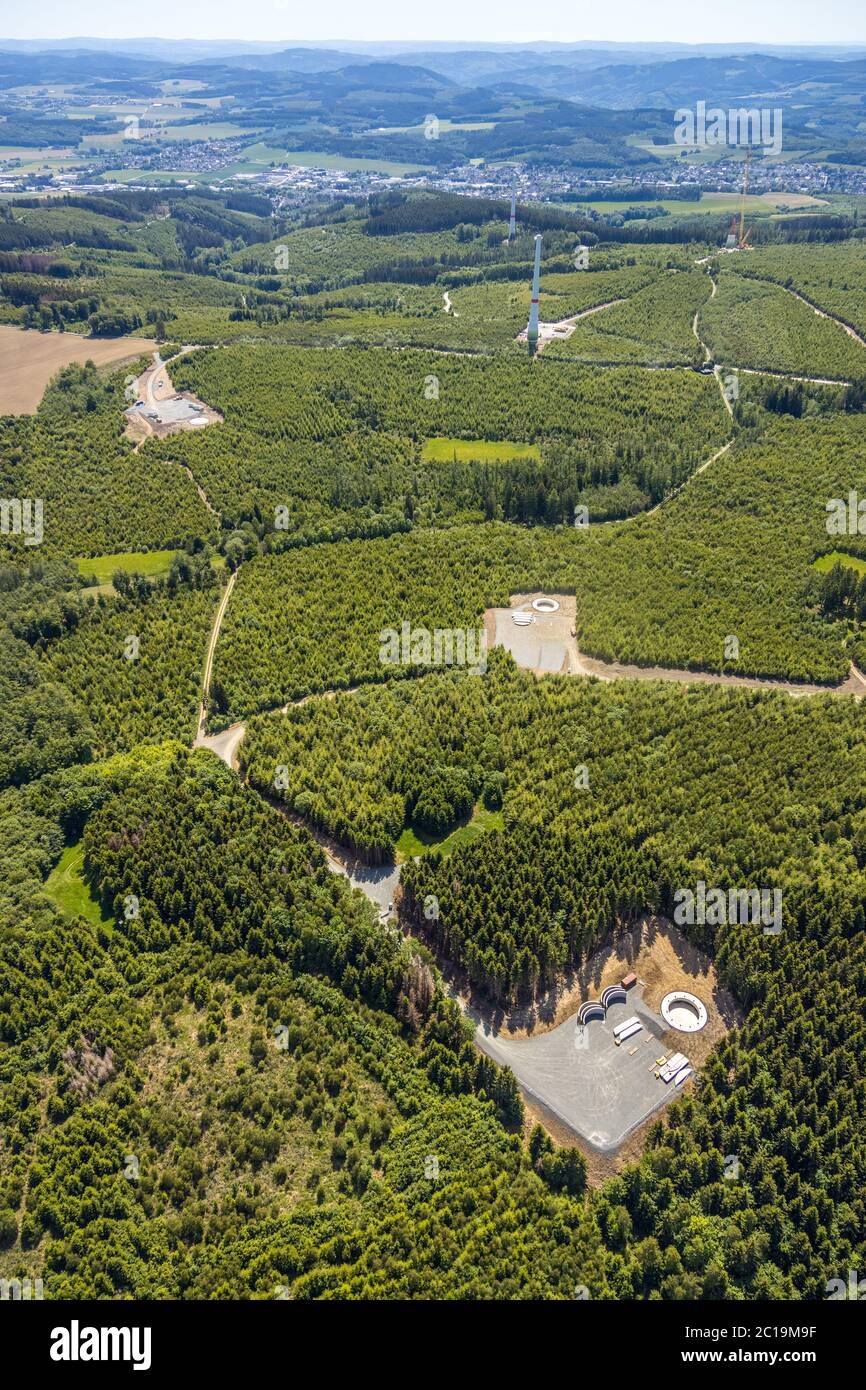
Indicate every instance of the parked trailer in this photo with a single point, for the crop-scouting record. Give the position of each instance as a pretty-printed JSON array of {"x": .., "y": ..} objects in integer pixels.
[
  {"x": 621, "y": 1027},
  {"x": 672, "y": 1066},
  {"x": 629, "y": 1032}
]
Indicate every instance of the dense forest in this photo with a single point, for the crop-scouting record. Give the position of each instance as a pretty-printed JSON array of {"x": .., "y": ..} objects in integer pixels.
[
  {"x": 578, "y": 852},
  {"x": 423, "y": 394},
  {"x": 224, "y": 1072},
  {"x": 753, "y": 323},
  {"x": 654, "y": 325},
  {"x": 248, "y": 954},
  {"x": 731, "y": 555}
]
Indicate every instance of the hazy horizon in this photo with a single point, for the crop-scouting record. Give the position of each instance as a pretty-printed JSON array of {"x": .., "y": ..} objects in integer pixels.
[{"x": 779, "y": 23}]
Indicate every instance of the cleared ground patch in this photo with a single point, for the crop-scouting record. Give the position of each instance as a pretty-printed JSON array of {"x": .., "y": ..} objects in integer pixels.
[
  {"x": 539, "y": 641},
  {"x": 159, "y": 409},
  {"x": 597, "y": 1090}
]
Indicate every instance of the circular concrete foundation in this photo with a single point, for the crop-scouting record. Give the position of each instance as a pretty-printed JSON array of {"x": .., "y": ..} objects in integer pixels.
[
  {"x": 684, "y": 1011},
  {"x": 545, "y": 605}
]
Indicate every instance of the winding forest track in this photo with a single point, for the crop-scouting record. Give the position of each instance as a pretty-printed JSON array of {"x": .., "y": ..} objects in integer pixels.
[
  {"x": 854, "y": 683},
  {"x": 700, "y": 469},
  {"x": 200, "y": 490},
  {"x": 717, "y": 373},
  {"x": 208, "y": 664}
]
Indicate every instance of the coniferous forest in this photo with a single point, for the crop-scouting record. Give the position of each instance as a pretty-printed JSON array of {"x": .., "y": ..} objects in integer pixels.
[{"x": 241, "y": 1056}]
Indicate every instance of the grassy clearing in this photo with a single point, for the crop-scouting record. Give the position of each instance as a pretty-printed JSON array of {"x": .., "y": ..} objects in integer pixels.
[
  {"x": 154, "y": 563},
  {"x": 33, "y": 153},
  {"x": 100, "y": 568},
  {"x": 447, "y": 450},
  {"x": 204, "y": 130},
  {"x": 68, "y": 889},
  {"x": 413, "y": 842},
  {"x": 181, "y": 84},
  {"x": 825, "y": 563}
]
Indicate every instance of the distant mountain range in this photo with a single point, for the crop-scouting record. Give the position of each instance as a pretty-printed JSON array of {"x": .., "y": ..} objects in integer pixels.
[
  {"x": 623, "y": 76},
  {"x": 475, "y": 58}
]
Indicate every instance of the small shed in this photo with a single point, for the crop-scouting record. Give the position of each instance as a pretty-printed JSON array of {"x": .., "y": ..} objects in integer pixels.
[{"x": 628, "y": 980}]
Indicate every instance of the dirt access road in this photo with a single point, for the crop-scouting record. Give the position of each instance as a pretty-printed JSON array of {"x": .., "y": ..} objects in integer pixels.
[{"x": 29, "y": 359}]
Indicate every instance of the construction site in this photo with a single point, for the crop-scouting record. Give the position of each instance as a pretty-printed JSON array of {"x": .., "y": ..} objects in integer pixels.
[{"x": 616, "y": 1039}]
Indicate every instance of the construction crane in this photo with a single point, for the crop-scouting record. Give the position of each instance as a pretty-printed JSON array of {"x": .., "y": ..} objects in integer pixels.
[{"x": 739, "y": 236}]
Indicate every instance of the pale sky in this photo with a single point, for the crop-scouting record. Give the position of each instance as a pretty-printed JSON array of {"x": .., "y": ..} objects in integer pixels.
[{"x": 504, "y": 21}]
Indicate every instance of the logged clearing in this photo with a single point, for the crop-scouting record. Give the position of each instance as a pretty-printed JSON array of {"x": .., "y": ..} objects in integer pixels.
[
  {"x": 662, "y": 958},
  {"x": 29, "y": 359}
]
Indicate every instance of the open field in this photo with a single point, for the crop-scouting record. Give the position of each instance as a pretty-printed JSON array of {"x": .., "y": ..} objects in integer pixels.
[
  {"x": 411, "y": 843},
  {"x": 100, "y": 568},
  {"x": 68, "y": 889},
  {"x": 756, "y": 203},
  {"x": 476, "y": 450},
  {"x": 259, "y": 155},
  {"x": 170, "y": 130},
  {"x": 29, "y": 359},
  {"x": 31, "y": 153},
  {"x": 825, "y": 563}
]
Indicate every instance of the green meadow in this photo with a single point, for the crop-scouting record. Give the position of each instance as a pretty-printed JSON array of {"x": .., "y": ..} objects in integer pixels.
[
  {"x": 68, "y": 889},
  {"x": 445, "y": 450},
  {"x": 825, "y": 563},
  {"x": 100, "y": 568},
  {"x": 411, "y": 843}
]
